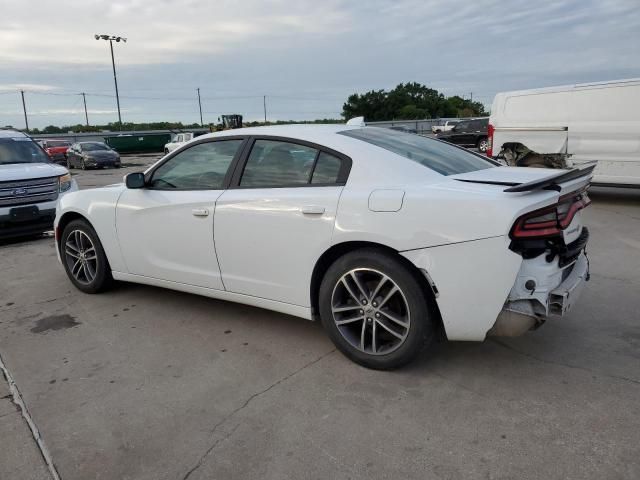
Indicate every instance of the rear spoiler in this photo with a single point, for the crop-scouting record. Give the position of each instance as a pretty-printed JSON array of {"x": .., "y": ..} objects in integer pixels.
[{"x": 552, "y": 182}]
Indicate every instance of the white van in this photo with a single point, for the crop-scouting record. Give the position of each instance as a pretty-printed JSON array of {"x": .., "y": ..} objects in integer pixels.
[{"x": 560, "y": 127}]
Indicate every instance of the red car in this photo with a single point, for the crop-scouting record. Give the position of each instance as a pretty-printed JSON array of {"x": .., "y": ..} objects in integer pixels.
[{"x": 56, "y": 149}]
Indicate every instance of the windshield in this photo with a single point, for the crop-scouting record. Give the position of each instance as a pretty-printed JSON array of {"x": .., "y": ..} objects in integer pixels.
[
  {"x": 21, "y": 150},
  {"x": 439, "y": 156},
  {"x": 92, "y": 147}
]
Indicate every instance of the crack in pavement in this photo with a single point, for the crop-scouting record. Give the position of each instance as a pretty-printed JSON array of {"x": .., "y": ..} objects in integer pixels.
[
  {"x": 568, "y": 365},
  {"x": 244, "y": 405},
  {"x": 18, "y": 401}
]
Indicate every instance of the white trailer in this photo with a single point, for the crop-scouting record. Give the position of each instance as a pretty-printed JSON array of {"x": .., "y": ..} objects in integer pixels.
[{"x": 560, "y": 127}]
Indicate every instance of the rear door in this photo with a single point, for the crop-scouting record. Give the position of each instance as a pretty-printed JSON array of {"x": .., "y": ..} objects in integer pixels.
[
  {"x": 166, "y": 229},
  {"x": 278, "y": 217}
]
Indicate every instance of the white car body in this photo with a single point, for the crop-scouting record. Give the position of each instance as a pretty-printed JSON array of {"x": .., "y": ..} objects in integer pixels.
[
  {"x": 261, "y": 246},
  {"x": 445, "y": 127},
  {"x": 32, "y": 185},
  {"x": 179, "y": 140},
  {"x": 574, "y": 124}
]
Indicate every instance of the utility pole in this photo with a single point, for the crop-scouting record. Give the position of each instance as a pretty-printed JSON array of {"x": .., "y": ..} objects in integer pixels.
[
  {"x": 111, "y": 38},
  {"x": 86, "y": 117},
  {"x": 24, "y": 108},
  {"x": 115, "y": 80},
  {"x": 471, "y": 96},
  {"x": 264, "y": 105},
  {"x": 200, "y": 107}
]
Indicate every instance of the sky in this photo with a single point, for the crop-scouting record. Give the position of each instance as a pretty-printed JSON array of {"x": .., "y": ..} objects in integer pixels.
[{"x": 305, "y": 56}]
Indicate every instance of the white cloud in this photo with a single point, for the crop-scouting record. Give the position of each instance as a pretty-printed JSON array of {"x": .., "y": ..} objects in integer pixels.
[
  {"x": 157, "y": 32},
  {"x": 34, "y": 87}
]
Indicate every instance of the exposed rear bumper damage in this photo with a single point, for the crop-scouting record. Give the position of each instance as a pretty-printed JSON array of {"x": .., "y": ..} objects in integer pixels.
[{"x": 542, "y": 289}]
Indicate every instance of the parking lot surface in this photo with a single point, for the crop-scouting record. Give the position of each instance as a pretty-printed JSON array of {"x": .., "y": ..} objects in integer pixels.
[{"x": 145, "y": 383}]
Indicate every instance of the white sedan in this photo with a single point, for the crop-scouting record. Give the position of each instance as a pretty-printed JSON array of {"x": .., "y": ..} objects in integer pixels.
[{"x": 384, "y": 236}]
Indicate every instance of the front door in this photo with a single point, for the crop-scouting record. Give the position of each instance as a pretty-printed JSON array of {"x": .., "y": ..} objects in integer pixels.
[
  {"x": 166, "y": 229},
  {"x": 277, "y": 221}
]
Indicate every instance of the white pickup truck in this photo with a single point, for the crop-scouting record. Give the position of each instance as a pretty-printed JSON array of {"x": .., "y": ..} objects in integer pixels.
[
  {"x": 445, "y": 127},
  {"x": 177, "y": 141},
  {"x": 560, "y": 127}
]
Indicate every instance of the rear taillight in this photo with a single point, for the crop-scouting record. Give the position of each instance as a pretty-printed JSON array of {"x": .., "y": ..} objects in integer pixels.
[
  {"x": 550, "y": 221},
  {"x": 490, "y": 131}
]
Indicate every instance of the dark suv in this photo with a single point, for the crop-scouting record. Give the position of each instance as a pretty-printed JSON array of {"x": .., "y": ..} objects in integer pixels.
[{"x": 468, "y": 133}]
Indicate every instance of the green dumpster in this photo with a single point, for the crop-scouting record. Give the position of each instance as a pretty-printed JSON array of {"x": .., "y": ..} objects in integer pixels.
[{"x": 150, "y": 143}]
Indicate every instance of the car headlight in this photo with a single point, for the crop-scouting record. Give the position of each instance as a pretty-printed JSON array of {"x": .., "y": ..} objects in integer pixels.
[{"x": 65, "y": 182}]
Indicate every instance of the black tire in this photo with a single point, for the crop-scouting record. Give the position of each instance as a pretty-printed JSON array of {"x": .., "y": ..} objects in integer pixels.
[
  {"x": 166, "y": 150},
  {"x": 102, "y": 278},
  {"x": 482, "y": 144},
  {"x": 367, "y": 263}
]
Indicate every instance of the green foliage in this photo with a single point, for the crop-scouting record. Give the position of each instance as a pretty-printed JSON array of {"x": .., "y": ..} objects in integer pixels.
[{"x": 408, "y": 101}]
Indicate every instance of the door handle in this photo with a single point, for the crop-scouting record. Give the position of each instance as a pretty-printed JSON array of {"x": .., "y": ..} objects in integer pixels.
[
  {"x": 200, "y": 212},
  {"x": 312, "y": 210}
]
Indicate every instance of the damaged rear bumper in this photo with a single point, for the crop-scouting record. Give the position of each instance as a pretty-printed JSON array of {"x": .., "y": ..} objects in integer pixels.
[{"x": 541, "y": 290}]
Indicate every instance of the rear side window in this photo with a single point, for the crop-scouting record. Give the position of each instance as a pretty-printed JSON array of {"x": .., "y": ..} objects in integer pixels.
[
  {"x": 274, "y": 163},
  {"x": 327, "y": 169},
  {"x": 436, "y": 155}
]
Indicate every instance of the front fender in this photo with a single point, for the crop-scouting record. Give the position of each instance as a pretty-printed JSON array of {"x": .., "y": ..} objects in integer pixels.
[{"x": 98, "y": 206}]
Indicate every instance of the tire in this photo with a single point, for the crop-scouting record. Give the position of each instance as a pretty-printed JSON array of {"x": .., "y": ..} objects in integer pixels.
[
  {"x": 79, "y": 240},
  {"x": 166, "y": 150},
  {"x": 376, "y": 272},
  {"x": 483, "y": 144}
]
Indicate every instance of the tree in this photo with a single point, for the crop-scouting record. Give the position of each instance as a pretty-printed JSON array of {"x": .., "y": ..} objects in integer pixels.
[{"x": 408, "y": 101}]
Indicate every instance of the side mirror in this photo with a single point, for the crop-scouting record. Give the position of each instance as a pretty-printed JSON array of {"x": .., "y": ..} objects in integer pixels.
[{"x": 134, "y": 180}]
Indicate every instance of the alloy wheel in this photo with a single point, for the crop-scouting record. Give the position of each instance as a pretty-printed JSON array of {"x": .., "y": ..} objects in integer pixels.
[
  {"x": 81, "y": 257},
  {"x": 482, "y": 146},
  {"x": 370, "y": 311}
]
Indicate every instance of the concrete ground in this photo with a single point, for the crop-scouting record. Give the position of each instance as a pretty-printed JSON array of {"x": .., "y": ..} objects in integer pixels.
[{"x": 145, "y": 383}]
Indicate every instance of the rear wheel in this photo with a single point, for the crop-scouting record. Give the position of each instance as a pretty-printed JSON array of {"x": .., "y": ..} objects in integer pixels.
[
  {"x": 83, "y": 258},
  {"x": 374, "y": 309},
  {"x": 483, "y": 145}
]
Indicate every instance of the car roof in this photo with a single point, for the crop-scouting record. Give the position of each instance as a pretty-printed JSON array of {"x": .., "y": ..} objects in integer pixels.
[
  {"x": 10, "y": 133},
  {"x": 324, "y": 134}
]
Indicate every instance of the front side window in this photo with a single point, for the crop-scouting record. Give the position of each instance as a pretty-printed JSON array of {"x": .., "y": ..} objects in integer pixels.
[
  {"x": 278, "y": 164},
  {"x": 200, "y": 167},
  {"x": 436, "y": 155}
]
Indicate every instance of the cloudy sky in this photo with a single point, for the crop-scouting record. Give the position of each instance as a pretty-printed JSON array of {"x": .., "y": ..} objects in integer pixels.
[{"x": 306, "y": 56}]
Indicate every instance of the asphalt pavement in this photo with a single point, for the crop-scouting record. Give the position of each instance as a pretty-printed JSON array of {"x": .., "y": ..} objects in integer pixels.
[{"x": 146, "y": 383}]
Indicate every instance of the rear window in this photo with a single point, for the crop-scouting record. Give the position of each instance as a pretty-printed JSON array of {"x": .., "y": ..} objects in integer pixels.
[
  {"x": 21, "y": 150},
  {"x": 441, "y": 157},
  {"x": 57, "y": 143}
]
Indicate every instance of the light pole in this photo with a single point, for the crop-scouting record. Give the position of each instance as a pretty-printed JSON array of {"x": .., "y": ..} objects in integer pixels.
[{"x": 111, "y": 38}]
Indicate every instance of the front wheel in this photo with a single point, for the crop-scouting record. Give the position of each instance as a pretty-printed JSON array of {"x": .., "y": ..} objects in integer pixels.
[
  {"x": 83, "y": 258},
  {"x": 374, "y": 309}
]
